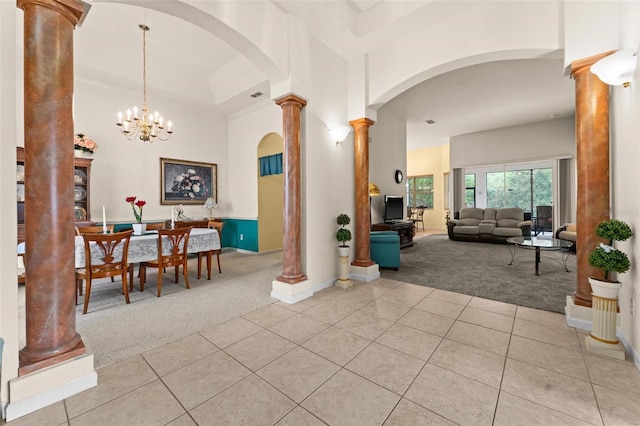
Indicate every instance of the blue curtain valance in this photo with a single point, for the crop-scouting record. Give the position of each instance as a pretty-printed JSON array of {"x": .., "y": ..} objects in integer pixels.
[{"x": 271, "y": 165}]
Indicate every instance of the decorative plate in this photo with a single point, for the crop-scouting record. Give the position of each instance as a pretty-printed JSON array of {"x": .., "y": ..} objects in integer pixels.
[
  {"x": 80, "y": 213},
  {"x": 79, "y": 194},
  {"x": 79, "y": 176}
]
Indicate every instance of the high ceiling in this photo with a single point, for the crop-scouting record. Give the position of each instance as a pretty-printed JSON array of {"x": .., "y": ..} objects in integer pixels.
[{"x": 183, "y": 59}]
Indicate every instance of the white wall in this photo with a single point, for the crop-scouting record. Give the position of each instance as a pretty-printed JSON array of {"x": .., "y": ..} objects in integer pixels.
[
  {"x": 517, "y": 144},
  {"x": 387, "y": 153}
]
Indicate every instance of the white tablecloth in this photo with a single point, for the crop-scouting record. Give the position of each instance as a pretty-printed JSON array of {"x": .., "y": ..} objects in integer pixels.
[{"x": 143, "y": 248}]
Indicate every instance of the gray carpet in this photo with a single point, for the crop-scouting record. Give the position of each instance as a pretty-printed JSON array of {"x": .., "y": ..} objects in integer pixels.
[{"x": 481, "y": 269}]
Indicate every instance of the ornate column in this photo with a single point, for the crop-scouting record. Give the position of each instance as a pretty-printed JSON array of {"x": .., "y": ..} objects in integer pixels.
[
  {"x": 363, "y": 218},
  {"x": 592, "y": 162},
  {"x": 291, "y": 106},
  {"x": 48, "y": 90}
]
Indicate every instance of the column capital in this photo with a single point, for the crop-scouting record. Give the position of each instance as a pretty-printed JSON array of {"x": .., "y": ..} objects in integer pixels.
[
  {"x": 580, "y": 66},
  {"x": 362, "y": 122},
  {"x": 289, "y": 99},
  {"x": 73, "y": 10}
]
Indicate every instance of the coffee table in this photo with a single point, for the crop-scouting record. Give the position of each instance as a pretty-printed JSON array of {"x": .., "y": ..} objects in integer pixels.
[{"x": 540, "y": 244}]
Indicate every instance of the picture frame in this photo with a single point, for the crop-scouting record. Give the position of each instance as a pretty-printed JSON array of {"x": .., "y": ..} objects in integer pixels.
[{"x": 187, "y": 182}]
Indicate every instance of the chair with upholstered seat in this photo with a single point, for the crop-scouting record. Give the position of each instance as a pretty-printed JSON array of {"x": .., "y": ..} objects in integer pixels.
[
  {"x": 217, "y": 225},
  {"x": 93, "y": 229},
  {"x": 544, "y": 219},
  {"x": 105, "y": 256},
  {"x": 175, "y": 256}
]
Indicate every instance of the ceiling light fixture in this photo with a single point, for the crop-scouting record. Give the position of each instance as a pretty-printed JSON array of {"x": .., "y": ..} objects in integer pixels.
[
  {"x": 616, "y": 69},
  {"x": 429, "y": 121},
  {"x": 149, "y": 126}
]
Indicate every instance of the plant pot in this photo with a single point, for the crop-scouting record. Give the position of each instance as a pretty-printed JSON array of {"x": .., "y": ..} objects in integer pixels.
[
  {"x": 343, "y": 251},
  {"x": 605, "y": 289},
  {"x": 139, "y": 228}
]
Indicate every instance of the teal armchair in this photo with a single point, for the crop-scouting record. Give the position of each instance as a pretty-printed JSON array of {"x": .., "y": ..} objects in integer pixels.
[{"x": 385, "y": 249}]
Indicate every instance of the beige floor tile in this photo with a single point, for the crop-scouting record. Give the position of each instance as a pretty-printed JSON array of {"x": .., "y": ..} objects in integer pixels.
[
  {"x": 450, "y": 296},
  {"x": 426, "y": 321},
  {"x": 328, "y": 293},
  {"x": 205, "y": 378},
  {"x": 513, "y": 410},
  {"x": 557, "y": 391},
  {"x": 175, "y": 355},
  {"x": 298, "y": 373},
  {"x": 617, "y": 408},
  {"x": 415, "y": 288},
  {"x": 52, "y": 415},
  {"x": 301, "y": 305},
  {"x": 551, "y": 357},
  {"x": 364, "y": 325},
  {"x": 485, "y": 367},
  {"x": 457, "y": 398},
  {"x": 300, "y": 417},
  {"x": 260, "y": 349},
  {"x": 480, "y": 337},
  {"x": 540, "y": 316},
  {"x": 385, "y": 310},
  {"x": 299, "y": 328},
  {"x": 184, "y": 420},
  {"x": 332, "y": 311},
  {"x": 411, "y": 341},
  {"x": 613, "y": 374},
  {"x": 336, "y": 345},
  {"x": 348, "y": 399},
  {"x": 410, "y": 413},
  {"x": 493, "y": 306},
  {"x": 403, "y": 296},
  {"x": 230, "y": 332},
  {"x": 134, "y": 408},
  {"x": 387, "y": 367},
  {"x": 114, "y": 380},
  {"x": 440, "y": 307},
  {"x": 252, "y": 401},
  {"x": 268, "y": 315},
  {"x": 487, "y": 319},
  {"x": 562, "y": 336}
]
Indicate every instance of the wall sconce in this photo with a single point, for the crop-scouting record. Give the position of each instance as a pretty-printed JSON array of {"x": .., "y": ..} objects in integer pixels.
[
  {"x": 616, "y": 69},
  {"x": 340, "y": 133}
]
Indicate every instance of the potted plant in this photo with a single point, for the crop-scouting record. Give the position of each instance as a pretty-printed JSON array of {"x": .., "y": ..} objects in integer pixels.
[
  {"x": 608, "y": 258},
  {"x": 343, "y": 235}
]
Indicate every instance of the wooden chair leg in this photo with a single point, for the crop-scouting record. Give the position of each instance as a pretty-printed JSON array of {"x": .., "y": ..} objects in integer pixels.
[
  {"x": 218, "y": 255},
  {"x": 200, "y": 264},
  {"x": 86, "y": 297},
  {"x": 186, "y": 275},
  {"x": 177, "y": 273},
  {"x": 159, "y": 280},
  {"x": 143, "y": 276},
  {"x": 125, "y": 286}
]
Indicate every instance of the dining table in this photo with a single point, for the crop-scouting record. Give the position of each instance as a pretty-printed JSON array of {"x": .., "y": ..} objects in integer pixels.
[{"x": 143, "y": 248}]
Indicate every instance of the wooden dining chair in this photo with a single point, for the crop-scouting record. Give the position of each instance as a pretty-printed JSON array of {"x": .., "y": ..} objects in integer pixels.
[
  {"x": 93, "y": 229},
  {"x": 176, "y": 256},
  {"x": 217, "y": 225},
  {"x": 110, "y": 264}
]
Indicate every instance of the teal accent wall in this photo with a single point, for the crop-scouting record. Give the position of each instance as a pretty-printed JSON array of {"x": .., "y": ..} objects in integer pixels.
[{"x": 240, "y": 233}]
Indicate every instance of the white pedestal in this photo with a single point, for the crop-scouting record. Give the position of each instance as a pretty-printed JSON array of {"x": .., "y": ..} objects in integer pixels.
[
  {"x": 604, "y": 309},
  {"x": 343, "y": 280}
]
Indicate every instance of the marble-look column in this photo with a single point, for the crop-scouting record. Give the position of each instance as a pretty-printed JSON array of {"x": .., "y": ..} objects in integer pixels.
[
  {"x": 51, "y": 335},
  {"x": 292, "y": 270},
  {"x": 592, "y": 163},
  {"x": 363, "y": 209}
]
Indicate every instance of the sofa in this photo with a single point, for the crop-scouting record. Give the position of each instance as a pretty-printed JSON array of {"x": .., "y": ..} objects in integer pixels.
[
  {"x": 384, "y": 248},
  {"x": 489, "y": 225}
]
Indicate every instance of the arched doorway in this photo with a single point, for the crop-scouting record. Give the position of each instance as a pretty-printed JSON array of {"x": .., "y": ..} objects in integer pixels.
[{"x": 270, "y": 193}]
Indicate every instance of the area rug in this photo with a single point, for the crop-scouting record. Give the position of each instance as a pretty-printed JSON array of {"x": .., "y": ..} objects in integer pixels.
[{"x": 482, "y": 270}]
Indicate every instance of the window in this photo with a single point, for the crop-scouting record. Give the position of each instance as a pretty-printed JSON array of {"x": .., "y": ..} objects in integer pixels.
[
  {"x": 526, "y": 188},
  {"x": 420, "y": 191},
  {"x": 470, "y": 190}
]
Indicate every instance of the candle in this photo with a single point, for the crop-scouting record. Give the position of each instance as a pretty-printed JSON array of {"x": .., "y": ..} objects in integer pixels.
[
  {"x": 172, "y": 216},
  {"x": 104, "y": 220}
]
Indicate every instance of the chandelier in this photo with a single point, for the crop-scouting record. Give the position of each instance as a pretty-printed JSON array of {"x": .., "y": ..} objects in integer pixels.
[{"x": 148, "y": 127}]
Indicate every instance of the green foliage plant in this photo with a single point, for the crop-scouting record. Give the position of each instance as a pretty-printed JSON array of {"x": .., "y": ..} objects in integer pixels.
[
  {"x": 608, "y": 258},
  {"x": 343, "y": 235}
]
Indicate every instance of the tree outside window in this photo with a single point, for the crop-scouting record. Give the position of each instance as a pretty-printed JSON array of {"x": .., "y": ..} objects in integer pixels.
[
  {"x": 420, "y": 191},
  {"x": 470, "y": 190}
]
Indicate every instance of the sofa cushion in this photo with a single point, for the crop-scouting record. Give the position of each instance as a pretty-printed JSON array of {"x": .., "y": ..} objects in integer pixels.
[
  {"x": 471, "y": 216},
  {"x": 490, "y": 214},
  {"x": 466, "y": 230},
  {"x": 509, "y": 217},
  {"x": 507, "y": 232}
]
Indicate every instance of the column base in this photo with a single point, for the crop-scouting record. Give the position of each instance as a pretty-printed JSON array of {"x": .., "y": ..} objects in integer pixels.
[
  {"x": 49, "y": 385},
  {"x": 365, "y": 273},
  {"x": 612, "y": 350},
  {"x": 291, "y": 293},
  {"x": 27, "y": 367}
]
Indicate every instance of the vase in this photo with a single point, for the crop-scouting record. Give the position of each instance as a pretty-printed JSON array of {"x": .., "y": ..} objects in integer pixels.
[
  {"x": 78, "y": 153},
  {"x": 139, "y": 228}
]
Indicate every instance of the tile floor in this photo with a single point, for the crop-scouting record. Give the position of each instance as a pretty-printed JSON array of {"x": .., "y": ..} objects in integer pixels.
[{"x": 383, "y": 352}]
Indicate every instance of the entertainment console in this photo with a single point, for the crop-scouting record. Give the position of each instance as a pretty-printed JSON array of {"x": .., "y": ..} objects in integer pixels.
[{"x": 404, "y": 230}]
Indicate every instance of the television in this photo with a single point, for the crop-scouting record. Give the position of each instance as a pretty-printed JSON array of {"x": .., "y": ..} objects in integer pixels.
[{"x": 393, "y": 208}]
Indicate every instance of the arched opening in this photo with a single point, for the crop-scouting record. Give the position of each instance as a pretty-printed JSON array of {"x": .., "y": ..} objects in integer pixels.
[{"x": 270, "y": 193}]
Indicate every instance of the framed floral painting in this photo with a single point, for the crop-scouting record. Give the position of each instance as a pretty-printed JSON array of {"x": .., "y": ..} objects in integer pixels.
[{"x": 187, "y": 182}]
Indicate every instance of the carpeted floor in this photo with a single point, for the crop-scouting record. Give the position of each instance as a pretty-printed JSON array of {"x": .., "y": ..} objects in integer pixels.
[{"x": 482, "y": 270}]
